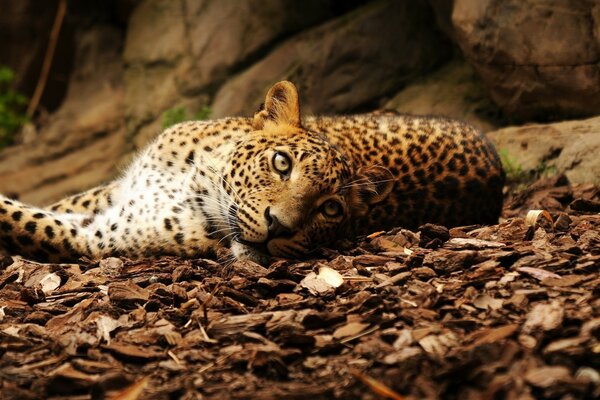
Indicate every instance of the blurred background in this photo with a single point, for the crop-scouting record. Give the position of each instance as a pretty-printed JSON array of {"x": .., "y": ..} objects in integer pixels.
[{"x": 84, "y": 84}]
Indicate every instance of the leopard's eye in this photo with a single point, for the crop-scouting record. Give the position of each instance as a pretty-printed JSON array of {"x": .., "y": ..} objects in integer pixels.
[
  {"x": 332, "y": 208},
  {"x": 282, "y": 163}
]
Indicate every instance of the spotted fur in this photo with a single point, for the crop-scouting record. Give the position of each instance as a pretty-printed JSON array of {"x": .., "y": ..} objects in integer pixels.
[{"x": 273, "y": 185}]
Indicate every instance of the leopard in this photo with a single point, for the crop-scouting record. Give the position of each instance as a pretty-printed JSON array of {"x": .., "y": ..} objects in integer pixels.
[{"x": 275, "y": 185}]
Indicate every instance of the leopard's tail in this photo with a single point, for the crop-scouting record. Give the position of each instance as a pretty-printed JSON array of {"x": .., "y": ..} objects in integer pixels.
[{"x": 41, "y": 235}]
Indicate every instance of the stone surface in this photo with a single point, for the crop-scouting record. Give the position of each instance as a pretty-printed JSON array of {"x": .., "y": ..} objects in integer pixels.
[
  {"x": 177, "y": 50},
  {"x": 346, "y": 64},
  {"x": 571, "y": 147},
  {"x": 227, "y": 35},
  {"x": 538, "y": 58},
  {"x": 452, "y": 91}
]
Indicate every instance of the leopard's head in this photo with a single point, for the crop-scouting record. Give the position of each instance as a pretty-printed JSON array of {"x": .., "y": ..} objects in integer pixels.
[{"x": 289, "y": 190}]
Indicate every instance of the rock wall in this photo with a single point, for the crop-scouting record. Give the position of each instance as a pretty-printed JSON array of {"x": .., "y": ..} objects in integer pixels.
[
  {"x": 540, "y": 59},
  {"x": 223, "y": 54},
  {"x": 121, "y": 64},
  {"x": 346, "y": 64}
]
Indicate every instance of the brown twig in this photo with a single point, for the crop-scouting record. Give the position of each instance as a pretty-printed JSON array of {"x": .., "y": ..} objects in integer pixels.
[
  {"x": 376, "y": 386},
  {"x": 41, "y": 84}
]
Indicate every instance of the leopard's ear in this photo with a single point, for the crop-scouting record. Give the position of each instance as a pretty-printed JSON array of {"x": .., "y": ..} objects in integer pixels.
[
  {"x": 281, "y": 107},
  {"x": 370, "y": 186}
]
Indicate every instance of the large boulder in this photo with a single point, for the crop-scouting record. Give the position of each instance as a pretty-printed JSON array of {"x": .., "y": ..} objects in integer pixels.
[
  {"x": 178, "y": 53},
  {"x": 345, "y": 64},
  {"x": 538, "y": 58},
  {"x": 569, "y": 147},
  {"x": 452, "y": 91}
]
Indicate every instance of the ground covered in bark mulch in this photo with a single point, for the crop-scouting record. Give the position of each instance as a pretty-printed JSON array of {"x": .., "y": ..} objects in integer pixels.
[{"x": 507, "y": 311}]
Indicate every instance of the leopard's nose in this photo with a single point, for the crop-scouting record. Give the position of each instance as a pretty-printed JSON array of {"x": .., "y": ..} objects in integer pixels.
[{"x": 276, "y": 229}]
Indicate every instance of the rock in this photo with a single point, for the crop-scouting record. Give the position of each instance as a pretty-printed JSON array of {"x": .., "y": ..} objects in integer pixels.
[
  {"x": 538, "y": 59},
  {"x": 453, "y": 91},
  {"x": 345, "y": 64},
  {"x": 176, "y": 50},
  {"x": 252, "y": 27},
  {"x": 144, "y": 45},
  {"x": 570, "y": 147}
]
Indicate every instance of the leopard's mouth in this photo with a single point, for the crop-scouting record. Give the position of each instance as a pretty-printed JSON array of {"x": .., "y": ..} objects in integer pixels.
[
  {"x": 263, "y": 251},
  {"x": 260, "y": 247},
  {"x": 236, "y": 230},
  {"x": 245, "y": 250}
]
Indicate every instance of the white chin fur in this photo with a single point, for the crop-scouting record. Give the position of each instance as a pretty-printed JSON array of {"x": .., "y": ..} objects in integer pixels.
[{"x": 243, "y": 252}]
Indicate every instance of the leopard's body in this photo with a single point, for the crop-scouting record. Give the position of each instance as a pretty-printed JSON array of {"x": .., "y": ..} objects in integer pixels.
[{"x": 270, "y": 186}]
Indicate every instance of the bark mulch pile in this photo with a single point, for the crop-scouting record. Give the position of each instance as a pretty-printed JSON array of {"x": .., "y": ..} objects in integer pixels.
[{"x": 505, "y": 311}]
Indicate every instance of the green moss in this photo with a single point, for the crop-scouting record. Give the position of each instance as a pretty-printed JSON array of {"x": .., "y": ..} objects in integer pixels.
[
  {"x": 517, "y": 176},
  {"x": 514, "y": 171},
  {"x": 202, "y": 114},
  {"x": 176, "y": 115},
  {"x": 12, "y": 106},
  {"x": 173, "y": 116}
]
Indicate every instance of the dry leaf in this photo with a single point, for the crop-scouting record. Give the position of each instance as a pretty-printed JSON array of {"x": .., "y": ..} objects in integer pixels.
[
  {"x": 349, "y": 330},
  {"x": 104, "y": 326},
  {"x": 544, "y": 316},
  {"x": 486, "y": 302},
  {"x": 324, "y": 282},
  {"x": 133, "y": 391},
  {"x": 469, "y": 243},
  {"x": 315, "y": 285},
  {"x": 564, "y": 281},
  {"x": 495, "y": 334},
  {"x": 544, "y": 377},
  {"x": 538, "y": 273},
  {"x": 376, "y": 386},
  {"x": 533, "y": 218},
  {"x": 50, "y": 282},
  {"x": 331, "y": 276}
]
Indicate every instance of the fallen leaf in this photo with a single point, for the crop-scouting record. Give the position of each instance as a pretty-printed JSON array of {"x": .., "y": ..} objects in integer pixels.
[
  {"x": 438, "y": 345},
  {"x": 376, "y": 386},
  {"x": 50, "y": 282},
  {"x": 67, "y": 371},
  {"x": 330, "y": 275},
  {"x": 538, "y": 273},
  {"x": 469, "y": 243},
  {"x": 494, "y": 335},
  {"x": 104, "y": 326},
  {"x": 131, "y": 351},
  {"x": 507, "y": 278},
  {"x": 564, "y": 281},
  {"x": 533, "y": 218},
  {"x": 544, "y": 377},
  {"x": 544, "y": 316},
  {"x": 350, "y": 329},
  {"x": 111, "y": 266},
  {"x": 375, "y": 234},
  {"x": 486, "y": 302},
  {"x": 133, "y": 391},
  {"x": 315, "y": 285},
  {"x": 127, "y": 292}
]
